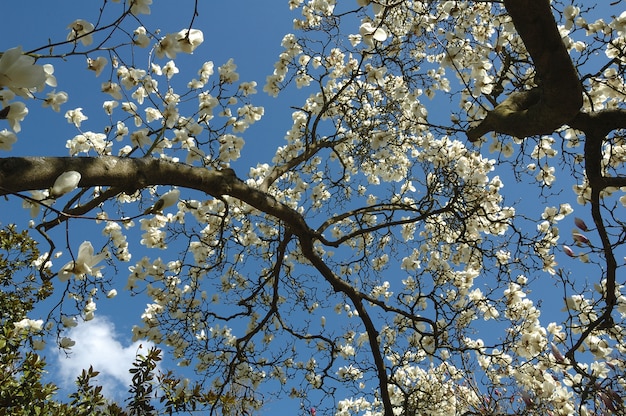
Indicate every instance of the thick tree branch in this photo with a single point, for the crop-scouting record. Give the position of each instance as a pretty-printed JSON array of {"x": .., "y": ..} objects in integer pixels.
[
  {"x": 557, "y": 99},
  {"x": 600, "y": 123},
  {"x": 596, "y": 126},
  {"x": 18, "y": 174}
]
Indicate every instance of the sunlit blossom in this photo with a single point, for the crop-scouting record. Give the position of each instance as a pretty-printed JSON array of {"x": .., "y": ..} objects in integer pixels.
[
  {"x": 189, "y": 40},
  {"x": 81, "y": 30},
  {"x": 84, "y": 264},
  {"x": 7, "y": 139},
  {"x": 75, "y": 116},
  {"x": 29, "y": 325},
  {"x": 19, "y": 71},
  {"x": 140, "y": 7},
  {"x": 66, "y": 182},
  {"x": 141, "y": 38},
  {"x": 17, "y": 113},
  {"x": 96, "y": 65},
  {"x": 369, "y": 31},
  {"x": 55, "y": 99}
]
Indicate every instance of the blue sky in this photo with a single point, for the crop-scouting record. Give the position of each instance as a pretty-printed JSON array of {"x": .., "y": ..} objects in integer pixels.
[{"x": 248, "y": 31}]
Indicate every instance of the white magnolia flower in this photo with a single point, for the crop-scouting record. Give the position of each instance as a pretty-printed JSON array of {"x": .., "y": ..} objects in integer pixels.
[
  {"x": 81, "y": 29},
  {"x": 39, "y": 344},
  {"x": 7, "y": 139},
  {"x": 19, "y": 71},
  {"x": 189, "y": 40},
  {"x": 66, "y": 182},
  {"x": 55, "y": 99},
  {"x": 89, "y": 310},
  {"x": 17, "y": 112},
  {"x": 167, "y": 46},
  {"x": 96, "y": 65},
  {"x": 33, "y": 205},
  {"x": 141, "y": 38},
  {"x": 68, "y": 321},
  {"x": 140, "y": 7},
  {"x": 166, "y": 200},
  {"x": 84, "y": 263},
  {"x": 67, "y": 343},
  {"x": 369, "y": 31},
  {"x": 75, "y": 116},
  {"x": 29, "y": 325}
]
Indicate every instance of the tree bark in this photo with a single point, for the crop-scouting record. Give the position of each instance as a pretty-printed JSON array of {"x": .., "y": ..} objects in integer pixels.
[
  {"x": 19, "y": 174},
  {"x": 558, "y": 97}
]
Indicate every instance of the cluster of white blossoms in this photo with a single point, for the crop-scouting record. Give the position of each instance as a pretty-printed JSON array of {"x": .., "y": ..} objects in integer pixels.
[
  {"x": 393, "y": 148},
  {"x": 431, "y": 391},
  {"x": 84, "y": 264},
  {"x": 391, "y": 189},
  {"x": 281, "y": 67},
  {"x": 19, "y": 75}
]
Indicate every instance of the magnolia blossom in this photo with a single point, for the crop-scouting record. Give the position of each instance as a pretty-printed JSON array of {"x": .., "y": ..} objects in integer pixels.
[
  {"x": 19, "y": 71},
  {"x": 75, "y": 116},
  {"x": 7, "y": 139},
  {"x": 170, "y": 69},
  {"x": 66, "y": 182},
  {"x": 84, "y": 263},
  {"x": 89, "y": 310},
  {"x": 68, "y": 322},
  {"x": 166, "y": 200},
  {"x": 141, "y": 39},
  {"x": 17, "y": 112},
  {"x": 112, "y": 89},
  {"x": 38, "y": 198},
  {"x": 67, "y": 343},
  {"x": 55, "y": 99},
  {"x": 228, "y": 72},
  {"x": 108, "y": 107},
  {"x": 29, "y": 325},
  {"x": 167, "y": 46},
  {"x": 39, "y": 344},
  {"x": 50, "y": 78},
  {"x": 189, "y": 40},
  {"x": 580, "y": 238},
  {"x": 87, "y": 142},
  {"x": 96, "y": 65},
  {"x": 81, "y": 29},
  {"x": 369, "y": 31},
  {"x": 140, "y": 7}
]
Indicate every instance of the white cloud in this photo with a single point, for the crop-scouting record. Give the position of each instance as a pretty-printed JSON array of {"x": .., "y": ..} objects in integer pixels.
[{"x": 97, "y": 345}]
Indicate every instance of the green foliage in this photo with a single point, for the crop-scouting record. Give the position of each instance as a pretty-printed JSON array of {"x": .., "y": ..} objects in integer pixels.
[
  {"x": 18, "y": 281},
  {"x": 142, "y": 383},
  {"x": 22, "y": 391}
]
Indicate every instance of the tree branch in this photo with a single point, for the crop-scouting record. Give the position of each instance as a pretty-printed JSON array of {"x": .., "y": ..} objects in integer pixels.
[
  {"x": 557, "y": 99},
  {"x": 601, "y": 122},
  {"x": 18, "y": 174}
]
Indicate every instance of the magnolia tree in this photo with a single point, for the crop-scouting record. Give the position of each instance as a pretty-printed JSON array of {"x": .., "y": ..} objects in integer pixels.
[{"x": 377, "y": 264}]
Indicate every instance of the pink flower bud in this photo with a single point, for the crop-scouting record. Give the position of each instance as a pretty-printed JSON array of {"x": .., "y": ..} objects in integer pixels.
[
  {"x": 579, "y": 238},
  {"x": 581, "y": 224},
  {"x": 556, "y": 353},
  {"x": 569, "y": 251},
  {"x": 606, "y": 400}
]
